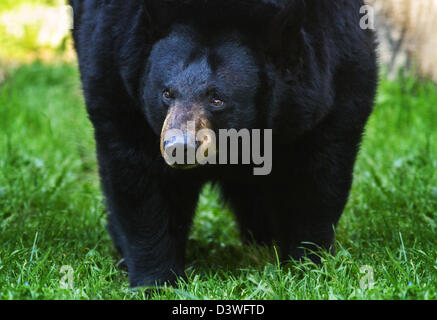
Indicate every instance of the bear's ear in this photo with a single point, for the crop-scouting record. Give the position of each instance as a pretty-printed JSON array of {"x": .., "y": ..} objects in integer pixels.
[{"x": 286, "y": 34}]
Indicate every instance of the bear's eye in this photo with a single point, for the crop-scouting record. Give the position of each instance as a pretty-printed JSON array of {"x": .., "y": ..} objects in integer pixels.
[
  {"x": 167, "y": 94},
  {"x": 217, "y": 102}
]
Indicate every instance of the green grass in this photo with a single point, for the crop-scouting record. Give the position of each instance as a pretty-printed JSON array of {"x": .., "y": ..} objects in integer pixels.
[
  {"x": 29, "y": 31},
  {"x": 10, "y": 4},
  {"x": 51, "y": 211}
]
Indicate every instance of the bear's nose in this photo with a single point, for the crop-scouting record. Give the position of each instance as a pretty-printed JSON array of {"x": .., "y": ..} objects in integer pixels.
[{"x": 181, "y": 151}]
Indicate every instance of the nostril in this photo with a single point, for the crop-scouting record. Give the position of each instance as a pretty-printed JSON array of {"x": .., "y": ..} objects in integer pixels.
[
  {"x": 176, "y": 145},
  {"x": 176, "y": 141},
  {"x": 180, "y": 151},
  {"x": 170, "y": 142}
]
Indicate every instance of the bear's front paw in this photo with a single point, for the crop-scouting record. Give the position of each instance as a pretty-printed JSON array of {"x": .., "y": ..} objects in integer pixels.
[{"x": 169, "y": 278}]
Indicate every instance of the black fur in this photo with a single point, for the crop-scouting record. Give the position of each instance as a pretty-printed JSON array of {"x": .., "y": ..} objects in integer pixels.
[{"x": 303, "y": 68}]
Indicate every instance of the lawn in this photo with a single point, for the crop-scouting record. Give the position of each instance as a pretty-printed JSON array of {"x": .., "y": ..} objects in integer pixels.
[{"x": 52, "y": 216}]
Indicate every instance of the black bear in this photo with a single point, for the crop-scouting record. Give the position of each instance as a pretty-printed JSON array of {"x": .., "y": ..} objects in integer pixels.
[{"x": 304, "y": 69}]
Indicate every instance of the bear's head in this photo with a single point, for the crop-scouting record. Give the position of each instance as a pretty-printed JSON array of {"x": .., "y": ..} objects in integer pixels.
[{"x": 210, "y": 67}]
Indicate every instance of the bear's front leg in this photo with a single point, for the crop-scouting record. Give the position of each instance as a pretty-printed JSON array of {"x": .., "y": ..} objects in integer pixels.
[
  {"x": 149, "y": 221},
  {"x": 320, "y": 177},
  {"x": 310, "y": 230}
]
